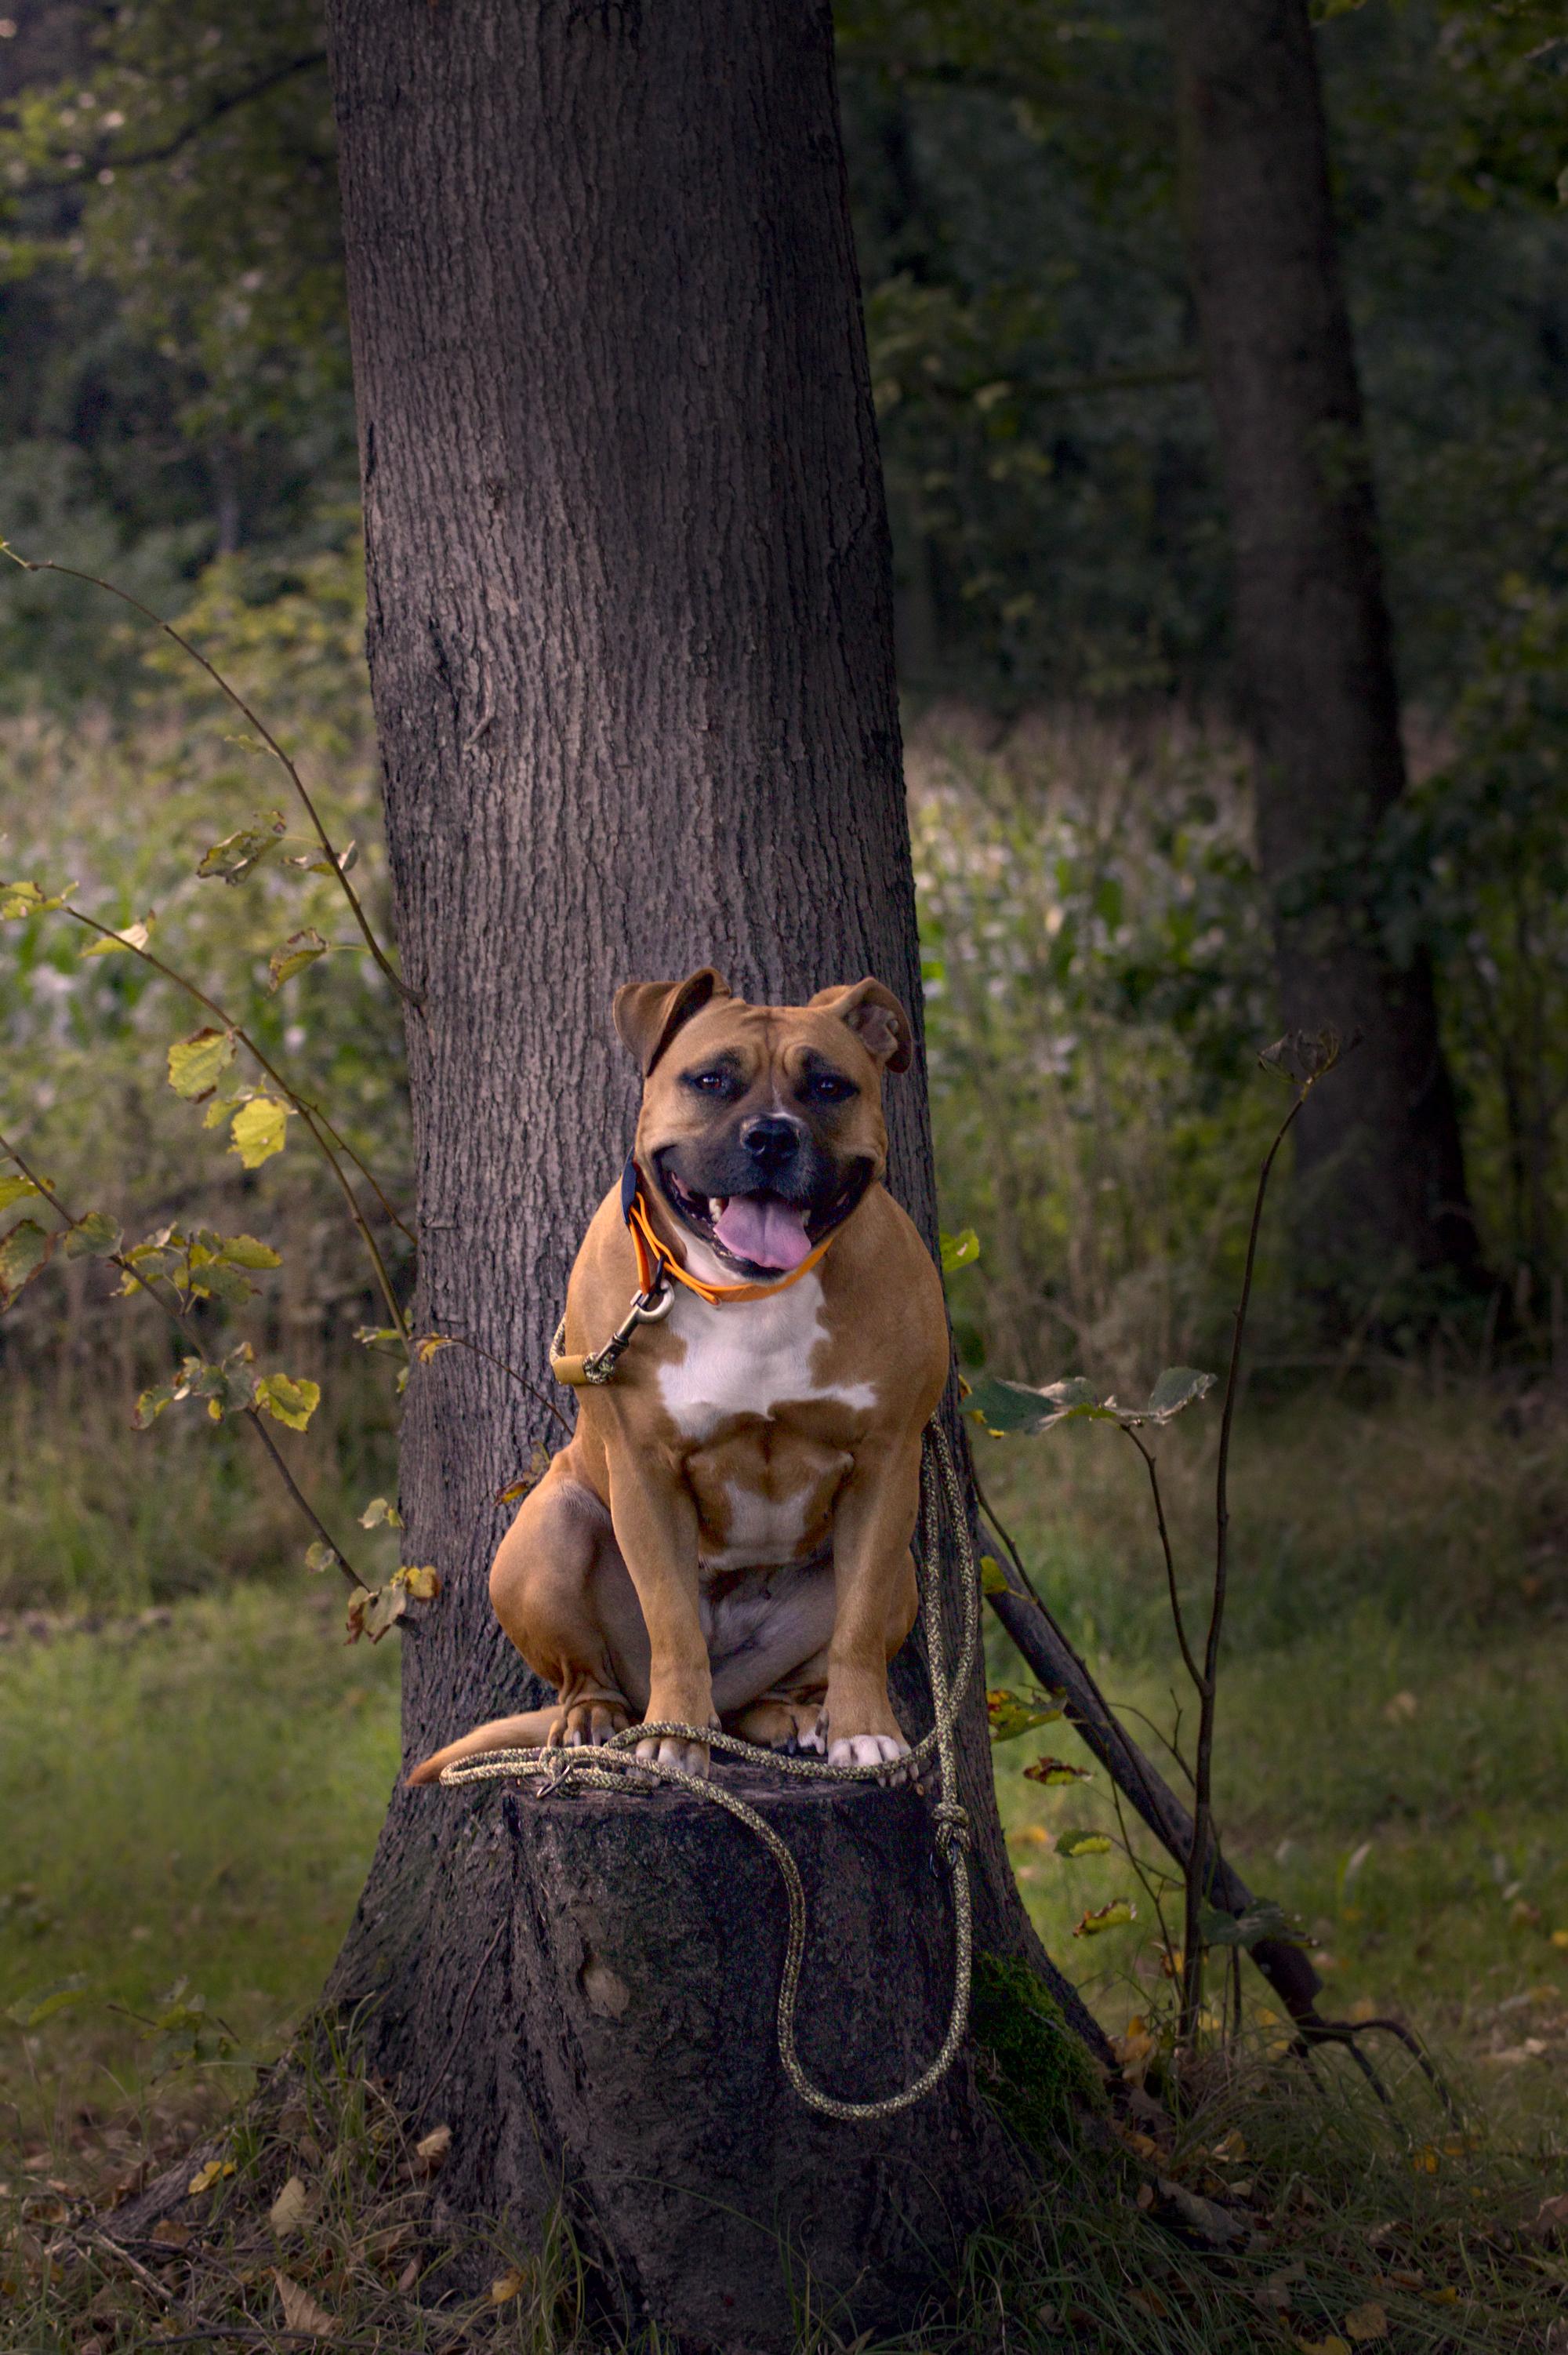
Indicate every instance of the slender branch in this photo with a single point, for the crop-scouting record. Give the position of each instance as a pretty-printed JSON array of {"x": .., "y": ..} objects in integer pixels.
[
  {"x": 989, "y": 1509},
  {"x": 127, "y": 160},
  {"x": 306, "y": 1112},
  {"x": 180, "y": 1320},
  {"x": 93, "y": 581},
  {"x": 1148, "y": 1455},
  {"x": 1201, "y": 1862},
  {"x": 369, "y": 1177},
  {"x": 458, "y": 1340}
]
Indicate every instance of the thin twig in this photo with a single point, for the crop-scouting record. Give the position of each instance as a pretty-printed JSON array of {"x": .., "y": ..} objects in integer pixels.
[
  {"x": 71, "y": 572},
  {"x": 1200, "y": 1863},
  {"x": 181, "y": 1322},
  {"x": 459, "y": 1341},
  {"x": 1148, "y": 1455},
  {"x": 989, "y": 1509},
  {"x": 440, "y": 2078}
]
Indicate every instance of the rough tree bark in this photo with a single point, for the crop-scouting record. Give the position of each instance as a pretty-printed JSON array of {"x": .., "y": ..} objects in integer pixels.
[
  {"x": 1378, "y": 1160},
  {"x": 630, "y": 644}
]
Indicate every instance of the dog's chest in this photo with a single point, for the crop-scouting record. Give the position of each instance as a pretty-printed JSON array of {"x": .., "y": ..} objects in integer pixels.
[{"x": 751, "y": 1357}]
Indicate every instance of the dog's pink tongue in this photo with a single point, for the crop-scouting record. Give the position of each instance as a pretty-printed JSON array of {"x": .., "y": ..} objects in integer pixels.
[{"x": 763, "y": 1229}]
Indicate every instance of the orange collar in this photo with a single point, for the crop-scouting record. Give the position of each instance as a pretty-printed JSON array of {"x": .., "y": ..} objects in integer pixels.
[{"x": 655, "y": 1259}]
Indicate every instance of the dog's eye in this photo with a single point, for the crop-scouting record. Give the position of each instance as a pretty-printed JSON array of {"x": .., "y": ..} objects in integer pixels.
[
  {"x": 827, "y": 1087},
  {"x": 711, "y": 1083}
]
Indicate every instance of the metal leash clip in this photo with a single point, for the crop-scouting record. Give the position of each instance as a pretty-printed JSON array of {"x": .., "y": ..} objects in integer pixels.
[{"x": 650, "y": 1307}]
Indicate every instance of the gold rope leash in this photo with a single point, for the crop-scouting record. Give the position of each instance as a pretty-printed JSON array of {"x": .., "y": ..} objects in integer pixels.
[{"x": 612, "y": 1766}]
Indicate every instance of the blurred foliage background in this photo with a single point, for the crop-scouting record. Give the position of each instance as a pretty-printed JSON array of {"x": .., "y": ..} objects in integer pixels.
[{"x": 175, "y": 410}]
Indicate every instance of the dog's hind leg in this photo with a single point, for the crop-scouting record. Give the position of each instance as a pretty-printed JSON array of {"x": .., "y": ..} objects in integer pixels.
[{"x": 561, "y": 1591}]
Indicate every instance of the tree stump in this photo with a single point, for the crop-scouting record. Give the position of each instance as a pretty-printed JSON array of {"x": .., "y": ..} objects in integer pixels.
[{"x": 635, "y": 2010}]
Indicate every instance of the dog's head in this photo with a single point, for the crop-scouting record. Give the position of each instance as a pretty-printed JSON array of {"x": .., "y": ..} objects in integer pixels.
[{"x": 761, "y": 1125}]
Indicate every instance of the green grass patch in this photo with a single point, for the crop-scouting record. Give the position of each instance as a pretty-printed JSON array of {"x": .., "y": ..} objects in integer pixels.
[{"x": 194, "y": 1798}]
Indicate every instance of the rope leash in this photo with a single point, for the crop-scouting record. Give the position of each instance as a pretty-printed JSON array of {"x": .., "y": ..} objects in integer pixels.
[{"x": 612, "y": 1766}]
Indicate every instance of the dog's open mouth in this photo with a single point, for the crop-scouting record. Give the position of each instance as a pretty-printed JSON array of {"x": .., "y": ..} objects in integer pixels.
[{"x": 761, "y": 1233}]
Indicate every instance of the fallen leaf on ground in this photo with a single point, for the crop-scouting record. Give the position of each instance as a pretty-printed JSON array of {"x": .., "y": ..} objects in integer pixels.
[
  {"x": 1366, "y": 2322},
  {"x": 287, "y": 2212},
  {"x": 430, "y": 2150},
  {"x": 1550, "y": 2217},
  {"x": 507, "y": 2287},
  {"x": 207, "y": 2178},
  {"x": 300, "y": 2311}
]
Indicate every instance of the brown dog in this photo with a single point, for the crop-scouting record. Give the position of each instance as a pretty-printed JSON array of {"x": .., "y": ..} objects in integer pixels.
[{"x": 725, "y": 1538}]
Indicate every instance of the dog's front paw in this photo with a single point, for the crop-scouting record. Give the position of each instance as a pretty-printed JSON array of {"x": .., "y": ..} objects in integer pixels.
[
  {"x": 668, "y": 1749},
  {"x": 871, "y": 1749}
]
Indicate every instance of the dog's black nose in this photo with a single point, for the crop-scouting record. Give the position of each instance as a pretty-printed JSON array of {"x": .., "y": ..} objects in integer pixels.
[{"x": 770, "y": 1143}]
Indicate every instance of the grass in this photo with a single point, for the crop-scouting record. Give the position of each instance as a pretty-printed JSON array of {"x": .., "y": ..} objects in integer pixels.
[{"x": 195, "y": 1792}]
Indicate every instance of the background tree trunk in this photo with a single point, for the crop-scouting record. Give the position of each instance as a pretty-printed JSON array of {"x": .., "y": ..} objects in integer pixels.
[
  {"x": 1382, "y": 1180},
  {"x": 630, "y": 644}
]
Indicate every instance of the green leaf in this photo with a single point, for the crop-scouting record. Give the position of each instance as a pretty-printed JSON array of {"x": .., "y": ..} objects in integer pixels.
[
  {"x": 1179, "y": 1387},
  {"x": 22, "y": 1253},
  {"x": 244, "y": 1251},
  {"x": 371, "y": 1337},
  {"x": 959, "y": 1251},
  {"x": 197, "y": 1063},
  {"x": 1007, "y": 1408},
  {"x": 298, "y": 950},
  {"x": 98, "y": 1236},
  {"x": 1114, "y": 1916},
  {"x": 236, "y": 854},
  {"x": 134, "y": 936},
  {"x": 151, "y": 1405},
  {"x": 1010, "y": 1713},
  {"x": 287, "y": 1400},
  {"x": 18, "y": 1190},
  {"x": 993, "y": 1578},
  {"x": 1264, "y": 1918},
  {"x": 260, "y": 1130},
  {"x": 379, "y": 1510},
  {"x": 1071, "y": 1844},
  {"x": 32, "y": 2010},
  {"x": 22, "y": 899}
]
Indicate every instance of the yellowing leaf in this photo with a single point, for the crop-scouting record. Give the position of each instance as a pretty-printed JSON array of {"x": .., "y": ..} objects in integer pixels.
[
  {"x": 236, "y": 854},
  {"x": 207, "y": 2178},
  {"x": 134, "y": 936},
  {"x": 1560, "y": 1937},
  {"x": 300, "y": 2311},
  {"x": 1055, "y": 1770},
  {"x": 993, "y": 1578},
  {"x": 1332, "y": 2345},
  {"x": 423, "y": 1583},
  {"x": 298, "y": 950},
  {"x": 1010, "y": 1713},
  {"x": 1082, "y": 1844},
  {"x": 288, "y": 1400},
  {"x": 259, "y": 1130},
  {"x": 1367, "y": 2322},
  {"x": 288, "y": 2211},
  {"x": 432, "y": 2151},
  {"x": 321, "y": 1556},
  {"x": 21, "y": 899},
  {"x": 17, "y": 1188},
  {"x": 22, "y": 1253},
  {"x": 244, "y": 1251},
  {"x": 507, "y": 2286},
  {"x": 377, "y": 1511},
  {"x": 426, "y": 1346},
  {"x": 1114, "y": 1916},
  {"x": 197, "y": 1063}
]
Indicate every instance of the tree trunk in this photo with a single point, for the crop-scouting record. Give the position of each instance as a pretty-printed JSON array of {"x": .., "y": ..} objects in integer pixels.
[
  {"x": 630, "y": 645},
  {"x": 1380, "y": 1172}
]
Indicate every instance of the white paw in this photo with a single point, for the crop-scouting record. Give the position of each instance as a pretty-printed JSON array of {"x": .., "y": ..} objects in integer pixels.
[
  {"x": 686, "y": 1757},
  {"x": 869, "y": 1750},
  {"x": 813, "y": 1738}
]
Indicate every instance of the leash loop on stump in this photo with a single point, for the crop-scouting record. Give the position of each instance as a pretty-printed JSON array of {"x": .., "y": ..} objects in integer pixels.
[{"x": 613, "y": 1766}]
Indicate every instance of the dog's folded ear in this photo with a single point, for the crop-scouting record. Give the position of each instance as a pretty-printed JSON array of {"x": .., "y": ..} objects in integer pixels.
[
  {"x": 649, "y": 1012},
  {"x": 876, "y": 1018}
]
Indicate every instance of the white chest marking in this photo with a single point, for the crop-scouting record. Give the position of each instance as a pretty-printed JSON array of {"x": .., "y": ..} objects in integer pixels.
[
  {"x": 761, "y": 1529},
  {"x": 748, "y": 1356}
]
